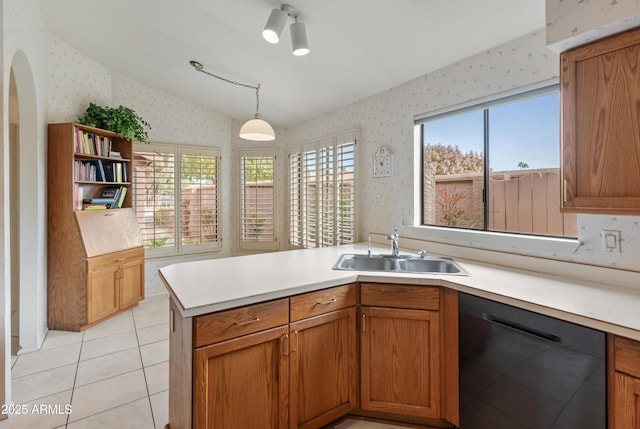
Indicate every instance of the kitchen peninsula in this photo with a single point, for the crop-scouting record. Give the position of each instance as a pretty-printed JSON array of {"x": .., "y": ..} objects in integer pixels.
[{"x": 274, "y": 310}]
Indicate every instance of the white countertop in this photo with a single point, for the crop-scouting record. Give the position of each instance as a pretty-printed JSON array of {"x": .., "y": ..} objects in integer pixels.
[{"x": 201, "y": 287}]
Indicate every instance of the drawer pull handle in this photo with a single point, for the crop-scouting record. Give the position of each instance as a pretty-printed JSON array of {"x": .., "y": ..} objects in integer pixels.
[
  {"x": 330, "y": 301},
  {"x": 247, "y": 322},
  {"x": 120, "y": 260}
]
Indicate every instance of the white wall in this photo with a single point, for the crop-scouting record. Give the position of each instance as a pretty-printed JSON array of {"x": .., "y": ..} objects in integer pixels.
[
  {"x": 24, "y": 46},
  {"x": 387, "y": 119},
  {"x": 571, "y": 23}
]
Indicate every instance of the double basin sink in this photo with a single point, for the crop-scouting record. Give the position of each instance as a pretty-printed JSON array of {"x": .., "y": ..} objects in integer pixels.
[{"x": 399, "y": 264}]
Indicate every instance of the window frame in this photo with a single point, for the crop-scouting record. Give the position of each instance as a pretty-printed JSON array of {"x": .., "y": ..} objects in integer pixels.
[
  {"x": 524, "y": 243},
  {"x": 300, "y": 227},
  {"x": 258, "y": 245},
  {"x": 178, "y": 248}
]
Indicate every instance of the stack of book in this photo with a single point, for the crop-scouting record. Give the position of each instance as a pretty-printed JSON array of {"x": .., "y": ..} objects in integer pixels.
[
  {"x": 112, "y": 197},
  {"x": 91, "y": 144}
]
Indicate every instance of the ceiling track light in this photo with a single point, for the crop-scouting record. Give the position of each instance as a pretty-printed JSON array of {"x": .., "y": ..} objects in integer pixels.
[
  {"x": 255, "y": 129},
  {"x": 275, "y": 24}
]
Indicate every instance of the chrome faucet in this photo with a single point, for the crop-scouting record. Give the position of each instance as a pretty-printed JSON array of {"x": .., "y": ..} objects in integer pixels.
[{"x": 394, "y": 241}]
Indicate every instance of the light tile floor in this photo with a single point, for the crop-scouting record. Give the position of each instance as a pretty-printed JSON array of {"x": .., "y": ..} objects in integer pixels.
[{"x": 113, "y": 375}]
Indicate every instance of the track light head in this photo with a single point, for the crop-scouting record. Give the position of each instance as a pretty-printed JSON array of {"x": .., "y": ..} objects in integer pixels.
[
  {"x": 275, "y": 24},
  {"x": 299, "y": 40}
]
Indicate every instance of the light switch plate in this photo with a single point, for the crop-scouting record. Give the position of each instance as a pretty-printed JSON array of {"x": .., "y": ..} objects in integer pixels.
[{"x": 611, "y": 240}]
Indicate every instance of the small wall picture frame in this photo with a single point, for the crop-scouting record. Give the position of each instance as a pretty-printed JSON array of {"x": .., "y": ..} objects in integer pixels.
[{"x": 382, "y": 162}]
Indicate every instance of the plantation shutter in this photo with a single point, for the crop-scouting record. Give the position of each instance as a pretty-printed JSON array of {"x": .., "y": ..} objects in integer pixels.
[
  {"x": 322, "y": 193},
  {"x": 346, "y": 189},
  {"x": 154, "y": 196},
  {"x": 199, "y": 197},
  {"x": 175, "y": 197},
  {"x": 295, "y": 194},
  {"x": 257, "y": 208},
  {"x": 309, "y": 199}
]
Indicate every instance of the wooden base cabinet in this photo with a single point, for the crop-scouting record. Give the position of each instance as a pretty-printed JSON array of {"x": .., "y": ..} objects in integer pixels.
[
  {"x": 115, "y": 282},
  {"x": 323, "y": 368},
  {"x": 624, "y": 383},
  {"x": 293, "y": 362},
  {"x": 400, "y": 353},
  {"x": 243, "y": 383}
]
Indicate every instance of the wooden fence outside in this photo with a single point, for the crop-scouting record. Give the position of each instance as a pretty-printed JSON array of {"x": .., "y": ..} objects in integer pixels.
[{"x": 526, "y": 201}]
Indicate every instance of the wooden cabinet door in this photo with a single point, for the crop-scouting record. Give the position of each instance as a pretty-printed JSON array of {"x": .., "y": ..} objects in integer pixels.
[
  {"x": 400, "y": 365},
  {"x": 600, "y": 90},
  {"x": 322, "y": 369},
  {"x": 131, "y": 282},
  {"x": 243, "y": 383},
  {"x": 102, "y": 295},
  {"x": 625, "y": 405}
]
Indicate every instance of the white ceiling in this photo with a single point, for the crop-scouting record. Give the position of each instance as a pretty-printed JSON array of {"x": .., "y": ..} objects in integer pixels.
[{"x": 358, "y": 47}]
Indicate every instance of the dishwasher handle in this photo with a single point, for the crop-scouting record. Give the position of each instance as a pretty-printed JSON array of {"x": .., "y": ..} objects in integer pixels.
[{"x": 522, "y": 328}]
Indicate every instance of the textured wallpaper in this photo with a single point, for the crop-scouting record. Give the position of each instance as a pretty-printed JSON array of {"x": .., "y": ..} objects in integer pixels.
[
  {"x": 571, "y": 23},
  {"x": 387, "y": 119}
]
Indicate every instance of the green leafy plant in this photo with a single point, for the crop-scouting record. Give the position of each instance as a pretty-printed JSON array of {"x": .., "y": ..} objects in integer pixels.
[{"x": 122, "y": 120}]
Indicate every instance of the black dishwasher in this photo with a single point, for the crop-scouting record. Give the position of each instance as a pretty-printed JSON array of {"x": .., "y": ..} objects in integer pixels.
[{"x": 523, "y": 370}]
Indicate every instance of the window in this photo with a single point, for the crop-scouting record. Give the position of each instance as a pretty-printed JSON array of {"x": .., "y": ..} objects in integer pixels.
[
  {"x": 322, "y": 192},
  {"x": 176, "y": 198},
  {"x": 496, "y": 166},
  {"x": 257, "y": 199}
]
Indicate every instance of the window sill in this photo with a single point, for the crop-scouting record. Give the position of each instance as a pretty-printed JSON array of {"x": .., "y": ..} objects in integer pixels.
[{"x": 528, "y": 245}]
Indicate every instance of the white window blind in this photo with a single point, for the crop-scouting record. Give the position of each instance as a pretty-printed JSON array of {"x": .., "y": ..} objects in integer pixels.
[
  {"x": 176, "y": 203},
  {"x": 257, "y": 199},
  {"x": 322, "y": 192}
]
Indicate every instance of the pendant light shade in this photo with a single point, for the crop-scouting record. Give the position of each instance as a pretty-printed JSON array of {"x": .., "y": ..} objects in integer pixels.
[
  {"x": 257, "y": 129},
  {"x": 299, "y": 40},
  {"x": 275, "y": 24}
]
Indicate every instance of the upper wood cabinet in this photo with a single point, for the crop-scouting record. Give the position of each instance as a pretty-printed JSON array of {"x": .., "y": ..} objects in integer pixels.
[{"x": 600, "y": 117}]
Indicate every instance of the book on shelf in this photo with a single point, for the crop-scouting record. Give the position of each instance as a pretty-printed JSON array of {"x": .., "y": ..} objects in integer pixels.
[
  {"x": 94, "y": 206},
  {"x": 91, "y": 144},
  {"x": 113, "y": 196},
  {"x": 104, "y": 201},
  {"x": 89, "y": 171},
  {"x": 115, "y": 171},
  {"x": 115, "y": 154},
  {"x": 120, "y": 200}
]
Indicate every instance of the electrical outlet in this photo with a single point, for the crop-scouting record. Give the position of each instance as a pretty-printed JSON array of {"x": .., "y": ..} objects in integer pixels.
[{"x": 611, "y": 240}]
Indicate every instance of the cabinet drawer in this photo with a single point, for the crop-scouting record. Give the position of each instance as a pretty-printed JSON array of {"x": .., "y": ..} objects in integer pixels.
[
  {"x": 322, "y": 301},
  {"x": 224, "y": 325},
  {"x": 112, "y": 261},
  {"x": 400, "y": 296},
  {"x": 627, "y": 356}
]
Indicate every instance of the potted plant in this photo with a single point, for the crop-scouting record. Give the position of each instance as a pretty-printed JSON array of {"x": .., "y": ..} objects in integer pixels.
[{"x": 121, "y": 120}]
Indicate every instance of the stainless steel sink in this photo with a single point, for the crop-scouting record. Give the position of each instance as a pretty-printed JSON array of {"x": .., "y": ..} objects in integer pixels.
[{"x": 399, "y": 264}]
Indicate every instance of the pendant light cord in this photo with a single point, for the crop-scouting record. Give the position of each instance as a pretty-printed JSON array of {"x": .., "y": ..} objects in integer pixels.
[{"x": 199, "y": 67}]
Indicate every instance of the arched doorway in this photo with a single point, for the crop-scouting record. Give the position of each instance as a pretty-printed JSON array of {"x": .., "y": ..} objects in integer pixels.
[{"x": 24, "y": 229}]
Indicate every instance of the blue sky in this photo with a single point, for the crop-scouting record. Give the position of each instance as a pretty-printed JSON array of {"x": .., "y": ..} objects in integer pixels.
[{"x": 526, "y": 131}]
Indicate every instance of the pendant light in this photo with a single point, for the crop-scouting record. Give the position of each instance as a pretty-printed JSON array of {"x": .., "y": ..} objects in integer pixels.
[{"x": 256, "y": 129}]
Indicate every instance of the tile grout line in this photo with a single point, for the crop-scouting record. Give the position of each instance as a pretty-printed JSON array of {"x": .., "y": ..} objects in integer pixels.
[
  {"x": 144, "y": 372},
  {"x": 75, "y": 378}
]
